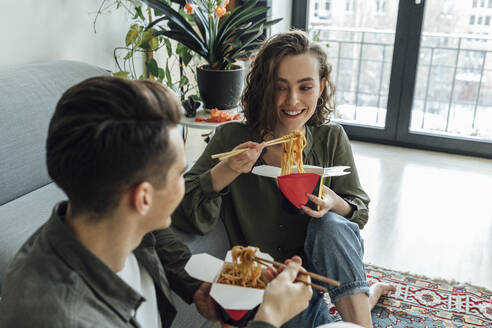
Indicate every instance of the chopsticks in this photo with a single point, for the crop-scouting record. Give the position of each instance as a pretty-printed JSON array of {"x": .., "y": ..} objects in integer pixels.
[
  {"x": 222, "y": 156},
  {"x": 311, "y": 274}
]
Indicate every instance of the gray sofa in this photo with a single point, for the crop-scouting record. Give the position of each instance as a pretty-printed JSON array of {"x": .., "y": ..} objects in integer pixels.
[{"x": 28, "y": 95}]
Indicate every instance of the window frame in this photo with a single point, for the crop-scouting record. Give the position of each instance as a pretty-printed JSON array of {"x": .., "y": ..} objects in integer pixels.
[{"x": 401, "y": 90}]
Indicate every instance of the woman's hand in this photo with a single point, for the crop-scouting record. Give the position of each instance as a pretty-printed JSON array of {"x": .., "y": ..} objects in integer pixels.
[
  {"x": 330, "y": 202},
  {"x": 230, "y": 168},
  {"x": 243, "y": 163}
]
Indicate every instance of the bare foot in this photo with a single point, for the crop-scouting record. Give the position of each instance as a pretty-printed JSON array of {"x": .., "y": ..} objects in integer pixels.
[{"x": 376, "y": 291}]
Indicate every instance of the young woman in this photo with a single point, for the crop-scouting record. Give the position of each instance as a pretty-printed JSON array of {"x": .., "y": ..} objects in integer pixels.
[{"x": 288, "y": 88}]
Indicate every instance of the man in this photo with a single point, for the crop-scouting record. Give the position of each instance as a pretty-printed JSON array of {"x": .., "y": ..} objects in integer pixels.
[{"x": 105, "y": 258}]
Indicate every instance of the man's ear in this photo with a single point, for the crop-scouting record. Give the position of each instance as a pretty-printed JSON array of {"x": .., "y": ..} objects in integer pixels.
[{"x": 142, "y": 197}]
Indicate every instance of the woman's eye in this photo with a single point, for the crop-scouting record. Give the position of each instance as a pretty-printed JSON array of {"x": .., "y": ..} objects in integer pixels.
[
  {"x": 280, "y": 88},
  {"x": 306, "y": 88}
]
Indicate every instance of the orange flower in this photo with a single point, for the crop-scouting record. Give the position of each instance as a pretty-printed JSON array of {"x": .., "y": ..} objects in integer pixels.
[
  {"x": 220, "y": 10},
  {"x": 190, "y": 7}
]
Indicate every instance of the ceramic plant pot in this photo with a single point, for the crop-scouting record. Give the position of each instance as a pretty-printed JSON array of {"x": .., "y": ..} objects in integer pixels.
[{"x": 220, "y": 88}]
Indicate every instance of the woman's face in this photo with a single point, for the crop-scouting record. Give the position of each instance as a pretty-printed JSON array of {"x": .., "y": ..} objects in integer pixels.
[{"x": 298, "y": 88}]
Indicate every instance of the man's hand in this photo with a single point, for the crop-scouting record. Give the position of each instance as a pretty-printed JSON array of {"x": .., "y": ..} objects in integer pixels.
[
  {"x": 284, "y": 298},
  {"x": 204, "y": 303}
]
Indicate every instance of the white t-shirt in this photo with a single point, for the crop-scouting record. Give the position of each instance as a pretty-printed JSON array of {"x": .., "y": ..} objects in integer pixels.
[{"x": 139, "y": 279}]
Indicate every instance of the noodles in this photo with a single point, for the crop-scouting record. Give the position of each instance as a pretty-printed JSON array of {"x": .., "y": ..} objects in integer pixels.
[
  {"x": 243, "y": 271},
  {"x": 292, "y": 153}
]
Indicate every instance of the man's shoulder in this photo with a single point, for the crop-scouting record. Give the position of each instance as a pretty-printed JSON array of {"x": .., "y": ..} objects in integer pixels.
[
  {"x": 37, "y": 281},
  {"x": 36, "y": 303},
  {"x": 35, "y": 261},
  {"x": 55, "y": 303}
]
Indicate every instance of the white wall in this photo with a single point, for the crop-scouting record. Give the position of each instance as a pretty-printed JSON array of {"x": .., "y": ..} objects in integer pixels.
[{"x": 42, "y": 30}]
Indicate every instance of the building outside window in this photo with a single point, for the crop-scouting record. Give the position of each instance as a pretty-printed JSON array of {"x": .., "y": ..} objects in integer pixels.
[
  {"x": 380, "y": 6},
  {"x": 490, "y": 3},
  {"x": 482, "y": 3},
  {"x": 327, "y": 5},
  {"x": 474, "y": 4},
  {"x": 472, "y": 19},
  {"x": 316, "y": 7},
  {"x": 446, "y": 7},
  {"x": 487, "y": 20},
  {"x": 349, "y": 6},
  {"x": 479, "y": 20}
]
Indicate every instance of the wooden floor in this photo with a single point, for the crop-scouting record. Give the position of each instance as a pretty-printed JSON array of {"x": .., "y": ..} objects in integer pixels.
[{"x": 430, "y": 213}]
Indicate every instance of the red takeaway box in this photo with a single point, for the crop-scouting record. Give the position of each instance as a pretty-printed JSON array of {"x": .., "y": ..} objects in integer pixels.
[{"x": 295, "y": 186}]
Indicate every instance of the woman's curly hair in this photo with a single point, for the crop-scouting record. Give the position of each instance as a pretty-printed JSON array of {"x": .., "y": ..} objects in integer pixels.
[{"x": 258, "y": 100}]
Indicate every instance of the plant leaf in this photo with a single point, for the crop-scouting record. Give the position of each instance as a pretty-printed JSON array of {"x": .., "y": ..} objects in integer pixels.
[
  {"x": 147, "y": 36},
  {"x": 168, "y": 47},
  {"x": 190, "y": 45},
  {"x": 161, "y": 74},
  {"x": 169, "y": 80},
  {"x": 138, "y": 13},
  {"x": 153, "y": 67},
  {"x": 182, "y": 30},
  {"x": 183, "y": 53},
  {"x": 132, "y": 34},
  {"x": 121, "y": 74},
  {"x": 184, "y": 80}
]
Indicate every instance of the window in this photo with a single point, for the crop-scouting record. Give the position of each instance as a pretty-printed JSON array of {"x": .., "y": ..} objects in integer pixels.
[
  {"x": 447, "y": 7},
  {"x": 482, "y": 3},
  {"x": 327, "y": 5},
  {"x": 479, "y": 20},
  {"x": 490, "y": 3},
  {"x": 316, "y": 7},
  {"x": 487, "y": 20},
  {"x": 380, "y": 6},
  {"x": 435, "y": 112},
  {"x": 349, "y": 5}
]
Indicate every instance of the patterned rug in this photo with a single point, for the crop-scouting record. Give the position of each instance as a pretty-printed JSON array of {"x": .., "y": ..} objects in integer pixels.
[{"x": 421, "y": 302}]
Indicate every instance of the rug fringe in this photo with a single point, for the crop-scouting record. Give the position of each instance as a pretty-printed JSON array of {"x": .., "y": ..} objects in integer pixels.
[{"x": 451, "y": 282}]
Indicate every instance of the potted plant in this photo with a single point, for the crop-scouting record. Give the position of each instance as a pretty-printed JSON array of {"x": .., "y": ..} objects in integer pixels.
[
  {"x": 219, "y": 37},
  {"x": 139, "y": 41}
]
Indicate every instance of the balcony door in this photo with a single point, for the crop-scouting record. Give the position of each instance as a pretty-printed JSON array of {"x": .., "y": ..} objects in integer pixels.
[{"x": 415, "y": 73}]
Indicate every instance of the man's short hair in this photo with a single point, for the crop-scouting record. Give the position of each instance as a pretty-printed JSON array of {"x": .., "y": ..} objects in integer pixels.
[{"x": 107, "y": 135}]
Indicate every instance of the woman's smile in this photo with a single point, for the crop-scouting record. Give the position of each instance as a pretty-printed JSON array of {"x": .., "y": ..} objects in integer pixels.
[{"x": 292, "y": 113}]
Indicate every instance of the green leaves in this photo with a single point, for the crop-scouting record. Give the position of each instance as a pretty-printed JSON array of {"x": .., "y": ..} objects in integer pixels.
[
  {"x": 184, "y": 53},
  {"x": 121, "y": 74},
  {"x": 153, "y": 67},
  {"x": 133, "y": 34},
  {"x": 138, "y": 13},
  {"x": 168, "y": 76},
  {"x": 177, "y": 27},
  {"x": 219, "y": 42}
]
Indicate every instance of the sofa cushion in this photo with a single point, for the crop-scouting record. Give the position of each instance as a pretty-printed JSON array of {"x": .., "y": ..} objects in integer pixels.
[
  {"x": 29, "y": 96},
  {"x": 21, "y": 217}
]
